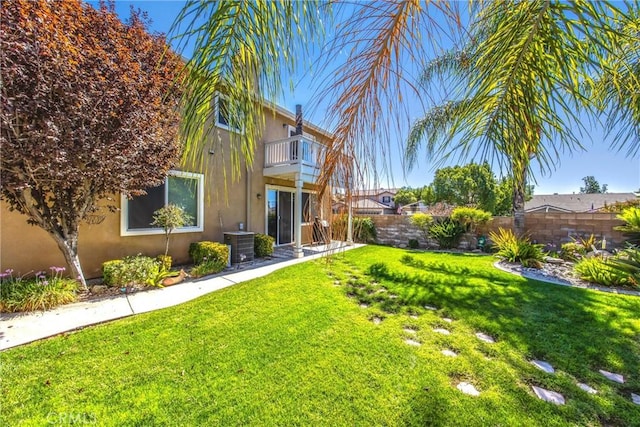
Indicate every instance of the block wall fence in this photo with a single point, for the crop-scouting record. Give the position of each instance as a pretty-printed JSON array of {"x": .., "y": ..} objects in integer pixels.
[{"x": 544, "y": 228}]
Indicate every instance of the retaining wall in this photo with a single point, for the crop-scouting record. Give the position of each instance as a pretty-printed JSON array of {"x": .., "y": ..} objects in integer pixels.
[{"x": 546, "y": 228}]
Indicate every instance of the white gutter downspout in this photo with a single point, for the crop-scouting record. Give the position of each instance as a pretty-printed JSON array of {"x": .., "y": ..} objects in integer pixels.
[{"x": 248, "y": 208}]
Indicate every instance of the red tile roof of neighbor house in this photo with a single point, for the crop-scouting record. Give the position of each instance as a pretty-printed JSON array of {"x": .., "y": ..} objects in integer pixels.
[{"x": 575, "y": 202}]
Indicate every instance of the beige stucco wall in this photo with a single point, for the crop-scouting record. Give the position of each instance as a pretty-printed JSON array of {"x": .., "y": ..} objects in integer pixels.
[{"x": 27, "y": 248}]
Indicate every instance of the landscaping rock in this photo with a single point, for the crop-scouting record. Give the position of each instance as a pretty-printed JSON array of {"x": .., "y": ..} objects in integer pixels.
[
  {"x": 446, "y": 319},
  {"x": 552, "y": 260},
  {"x": 413, "y": 342},
  {"x": 376, "y": 320},
  {"x": 364, "y": 305},
  {"x": 635, "y": 398},
  {"x": 99, "y": 289},
  {"x": 409, "y": 331},
  {"x": 612, "y": 376},
  {"x": 587, "y": 388},
  {"x": 548, "y": 395},
  {"x": 442, "y": 331},
  {"x": 430, "y": 307},
  {"x": 467, "y": 388},
  {"x": 484, "y": 337},
  {"x": 544, "y": 366},
  {"x": 413, "y": 316},
  {"x": 402, "y": 246},
  {"x": 449, "y": 353}
]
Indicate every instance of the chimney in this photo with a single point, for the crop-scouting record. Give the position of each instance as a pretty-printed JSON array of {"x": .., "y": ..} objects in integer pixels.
[{"x": 298, "y": 119}]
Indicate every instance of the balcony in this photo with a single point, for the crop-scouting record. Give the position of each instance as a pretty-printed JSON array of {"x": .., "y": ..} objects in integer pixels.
[{"x": 286, "y": 158}]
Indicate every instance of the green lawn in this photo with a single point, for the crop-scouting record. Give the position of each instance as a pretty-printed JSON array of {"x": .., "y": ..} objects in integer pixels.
[{"x": 297, "y": 348}]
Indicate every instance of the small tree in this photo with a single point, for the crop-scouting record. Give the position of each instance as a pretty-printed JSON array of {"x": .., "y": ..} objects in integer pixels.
[
  {"x": 88, "y": 109},
  {"x": 404, "y": 196},
  {"x": 169, "y": 218}
]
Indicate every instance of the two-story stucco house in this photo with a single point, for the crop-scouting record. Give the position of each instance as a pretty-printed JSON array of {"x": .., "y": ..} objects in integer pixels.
[{"x": 277, "y": 196}]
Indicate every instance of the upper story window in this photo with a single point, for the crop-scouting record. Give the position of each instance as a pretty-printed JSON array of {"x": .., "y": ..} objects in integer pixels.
[
  {"x": 222, "y": 113},
  {"x": 386, "y": 199},
  {"x": 184, "y": 189}
]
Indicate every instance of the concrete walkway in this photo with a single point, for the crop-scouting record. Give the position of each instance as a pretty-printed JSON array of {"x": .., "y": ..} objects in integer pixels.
[{"x": 20, "y": 328}]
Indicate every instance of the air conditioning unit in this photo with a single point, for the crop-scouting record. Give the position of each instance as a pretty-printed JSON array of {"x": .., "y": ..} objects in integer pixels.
[{"x": 241, "y": 243}]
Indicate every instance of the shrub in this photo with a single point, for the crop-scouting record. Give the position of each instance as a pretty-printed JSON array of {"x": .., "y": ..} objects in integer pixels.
[
  {"x": 422, "y": 221},
  {"x": 517, "y": 249},
  {"x": 165, "y": 261},
  {"x": 41, "y": 292},
  {"x": 263, "y": 245},
  {"x": 587, "y": 243},
  {"x": 470, "y": 218},
  {"x": 631, "y": 228},
  {"x": 446, "y": 232},
  {"x": 208, "y": 257},
  {"x": 597, "y": 270},
  {"x": 131, "y": 270},
  {"x": 627, "y": 262},
  {"x": 572, "y": 251},
  {"x": 364, "y": 230},
  {"x": 205, "y": 250},
  {"x": 413, "y": 244}
]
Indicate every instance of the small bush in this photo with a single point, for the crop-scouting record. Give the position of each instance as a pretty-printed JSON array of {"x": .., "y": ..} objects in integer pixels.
[
  {"x": 41, "y": 292},
  {"x": 587, "y": 243},
  {"x": 208, "y": 257},
  {"x": 597, "y": 270},
  {"x": 201, "y": 251},
  {"x": 572, "y": 251},
  {"x": 446, "y": 232},
  {"x": 470, "y": 218},
  {"x": 631, "y": 228},
  {"x": 165, "y": 261},
  {"x": 413, "y": 244},
  {"x": 263, "y": 245},
  {"x": 627, "y": 262},
  {"x": 364, "y": 230},
  {"x": 131, "y": 270},
  {"x": 422, "y": 221},
  {"x": 517, "y": 249}
]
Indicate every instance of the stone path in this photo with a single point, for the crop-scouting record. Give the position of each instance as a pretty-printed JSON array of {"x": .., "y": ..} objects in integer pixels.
[{"x": 550, "y": 396}]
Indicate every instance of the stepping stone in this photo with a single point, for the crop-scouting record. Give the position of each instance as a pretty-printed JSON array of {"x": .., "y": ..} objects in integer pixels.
[
  {"x": 409, "y": 331},
  {"x": 542, "y": 365},
  {"x": 484, "y": 337},
  {"x": 413, "y": 342},
  {"x": 548, "y": 395},
  {"x": 612, "y": 376},
  {"x": 376, "y": 320},
  {"x": 446, "y": 319},
  {"x": 467, "y": 388},
  {"x": 449, "y": 353},
  {"x": 442, "y": 331},
  {"x": 430, "y": 307},
  {"x": 635, "y": 398},
  {"x": 364, "y": 305},
  {"x": 587, "y": 388}
]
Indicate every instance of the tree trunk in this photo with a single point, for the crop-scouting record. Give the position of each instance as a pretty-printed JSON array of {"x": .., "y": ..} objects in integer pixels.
[
  {"x": 519, "y": 186},
  {"x": 69, "y": 248}
]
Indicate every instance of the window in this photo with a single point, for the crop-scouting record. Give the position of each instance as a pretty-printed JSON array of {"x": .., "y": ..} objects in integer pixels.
[
  {"x": 222, "y": 114},
  {"x": 179, "y": 188},
  {"x": 386, "y": 199}
]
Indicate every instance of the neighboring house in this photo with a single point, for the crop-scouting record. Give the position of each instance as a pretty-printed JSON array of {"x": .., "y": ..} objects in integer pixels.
[
  {"x": 263, "y": 200},
  {"x": 364, "y": 207},
  {"x": 381, "y": 195},
  {"x": 581, "y": 202},
  {"x": 437, "y": 209}
]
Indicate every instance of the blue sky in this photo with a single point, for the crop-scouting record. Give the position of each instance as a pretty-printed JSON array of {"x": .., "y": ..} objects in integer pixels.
[{"x": 622, "y": 174}]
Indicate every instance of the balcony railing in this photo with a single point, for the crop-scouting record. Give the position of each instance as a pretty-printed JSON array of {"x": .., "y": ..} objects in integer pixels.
[{"x": 296, "y": 150}]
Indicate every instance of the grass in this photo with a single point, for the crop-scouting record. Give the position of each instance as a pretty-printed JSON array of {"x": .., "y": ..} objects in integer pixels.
[{"x": 296, "y": 348}]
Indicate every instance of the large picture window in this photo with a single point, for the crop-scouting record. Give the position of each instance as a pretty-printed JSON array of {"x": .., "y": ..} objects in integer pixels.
[{"x": 183, "y": 189}]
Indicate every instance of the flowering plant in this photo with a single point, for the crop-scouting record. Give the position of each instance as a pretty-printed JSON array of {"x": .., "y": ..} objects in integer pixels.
[{"x": 41, "y": 291}]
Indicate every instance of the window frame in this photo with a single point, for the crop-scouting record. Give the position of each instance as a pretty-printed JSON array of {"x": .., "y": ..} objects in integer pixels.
[
  {"x": 216, "y": 100},
  {"x": 198, "y": 228}
]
